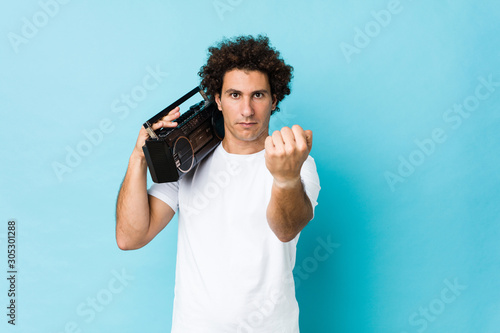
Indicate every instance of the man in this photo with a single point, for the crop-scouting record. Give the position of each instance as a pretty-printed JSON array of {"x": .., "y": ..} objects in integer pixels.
[{"x": 240, "y": 210}]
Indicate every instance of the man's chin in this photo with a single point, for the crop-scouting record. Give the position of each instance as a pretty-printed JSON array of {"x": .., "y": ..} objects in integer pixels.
[
  {"x": 248, "y": 139},
  {"x": 248, "y": 135}
]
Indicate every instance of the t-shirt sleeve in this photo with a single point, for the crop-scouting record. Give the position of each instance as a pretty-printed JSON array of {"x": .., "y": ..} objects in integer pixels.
[
  {"x": 166, "y": 192},
  {"x": 310, "y": 179}
]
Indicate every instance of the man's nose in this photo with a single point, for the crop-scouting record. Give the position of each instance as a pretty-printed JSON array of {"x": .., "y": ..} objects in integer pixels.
[{"x": 246, "y": 108}]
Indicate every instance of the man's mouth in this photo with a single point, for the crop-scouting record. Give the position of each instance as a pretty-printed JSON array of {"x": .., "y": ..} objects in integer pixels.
[{"x": 247, "y": 124}]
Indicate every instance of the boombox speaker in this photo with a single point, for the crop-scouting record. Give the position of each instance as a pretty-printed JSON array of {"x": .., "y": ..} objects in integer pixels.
[{"x": 173, "y": 152}]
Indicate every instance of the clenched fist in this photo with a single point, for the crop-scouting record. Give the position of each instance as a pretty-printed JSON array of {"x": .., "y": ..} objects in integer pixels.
[{"x": 286, "y": 151}]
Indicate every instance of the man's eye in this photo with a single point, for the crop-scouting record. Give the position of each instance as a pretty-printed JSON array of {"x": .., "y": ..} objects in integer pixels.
[
  {"x": 259, "y": 95},
  {"x": 234, "y": 95}
]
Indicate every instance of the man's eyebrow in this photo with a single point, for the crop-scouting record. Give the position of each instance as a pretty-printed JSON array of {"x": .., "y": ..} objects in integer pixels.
[
  {"x": 261, "y": 91},
  {"x": 231, "y": 91}
]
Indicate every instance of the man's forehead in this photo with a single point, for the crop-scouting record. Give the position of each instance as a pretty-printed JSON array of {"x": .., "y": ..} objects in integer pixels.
[{"x": 245, "y": 80}]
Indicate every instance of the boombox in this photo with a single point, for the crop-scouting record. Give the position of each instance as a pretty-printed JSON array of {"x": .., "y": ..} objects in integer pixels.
[{"x": 172, "y": 152}]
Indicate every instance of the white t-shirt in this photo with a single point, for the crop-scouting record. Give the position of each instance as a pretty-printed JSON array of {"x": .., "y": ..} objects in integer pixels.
[{"x": 233, "y": 274}]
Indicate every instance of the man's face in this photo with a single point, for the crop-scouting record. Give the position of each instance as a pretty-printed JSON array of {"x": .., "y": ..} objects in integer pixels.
[{"x": 246, "y": 103}]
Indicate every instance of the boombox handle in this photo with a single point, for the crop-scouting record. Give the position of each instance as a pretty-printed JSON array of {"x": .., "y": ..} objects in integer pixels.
[{"x": 148, "y": 124}]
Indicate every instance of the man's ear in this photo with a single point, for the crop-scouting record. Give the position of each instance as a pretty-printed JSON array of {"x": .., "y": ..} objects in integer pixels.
[
  {"x": 217, "y": 100},
  {"x": 275, "y": 101}
]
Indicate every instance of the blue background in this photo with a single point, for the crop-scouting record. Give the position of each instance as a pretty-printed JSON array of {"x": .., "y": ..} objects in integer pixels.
[{"x": 372, "y": 98}]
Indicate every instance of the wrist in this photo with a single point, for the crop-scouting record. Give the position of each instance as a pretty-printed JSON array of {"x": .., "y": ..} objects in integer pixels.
[
  {"x": 287, "y": 183},
  {"x": 137, "y": 157}
]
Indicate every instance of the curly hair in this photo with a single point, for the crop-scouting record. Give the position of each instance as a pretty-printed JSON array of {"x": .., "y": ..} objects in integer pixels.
[{"x": 246, "y": 53}]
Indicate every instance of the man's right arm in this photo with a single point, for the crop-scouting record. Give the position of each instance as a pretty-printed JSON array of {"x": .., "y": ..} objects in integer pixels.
[{"x": 139, "y": 216}]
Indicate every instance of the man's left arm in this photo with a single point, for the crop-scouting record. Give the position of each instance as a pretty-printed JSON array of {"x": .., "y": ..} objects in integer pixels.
[{"x": 289, "y": 209}]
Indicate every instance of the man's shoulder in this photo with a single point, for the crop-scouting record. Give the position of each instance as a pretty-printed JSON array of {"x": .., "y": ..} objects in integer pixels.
[{"x": 200, "y": 169}]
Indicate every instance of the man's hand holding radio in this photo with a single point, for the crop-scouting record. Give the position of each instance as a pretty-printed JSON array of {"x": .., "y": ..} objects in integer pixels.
[
  {"x": 286, "y": 151},
  {"x": 166, "y": 121},
  {"x": 138, "y": 218}
]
